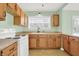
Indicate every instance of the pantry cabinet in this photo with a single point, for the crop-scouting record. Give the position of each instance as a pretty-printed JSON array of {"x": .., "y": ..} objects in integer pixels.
[
  {"x": 2, "y": 11},
  {"x": 11, "y": 50},
  {"x": 55, "y": 20}
]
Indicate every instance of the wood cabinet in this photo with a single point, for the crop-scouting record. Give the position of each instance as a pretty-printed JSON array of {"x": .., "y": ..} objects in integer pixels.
[
  {"x": 45, "y": 41},
  {"x": 19, "y": 20},
  {"x": 51, "y": 41},
  {"x": 58, "y": 41},
  {"x": 33, "y": 41},
  {"x": 0, "y": 53},
  {"x": 18, "y": 10},
  {"x": 74, "y": 46},
  {"x": 11, "y": 8},
  {"x": 66, "y": 43},
  {"x": 55, "y": 20},
  {"x": 2, "y": 11},
  {"x": 10, "y": 50},
  {"x": 71, "y": 45}
]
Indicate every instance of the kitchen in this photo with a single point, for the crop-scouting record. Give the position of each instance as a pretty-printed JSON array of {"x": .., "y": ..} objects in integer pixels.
[{"x": 39, "y": 29}]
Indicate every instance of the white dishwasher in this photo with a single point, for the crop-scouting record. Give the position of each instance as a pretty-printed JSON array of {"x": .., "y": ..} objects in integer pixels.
[{"x": 23, "y": 48}]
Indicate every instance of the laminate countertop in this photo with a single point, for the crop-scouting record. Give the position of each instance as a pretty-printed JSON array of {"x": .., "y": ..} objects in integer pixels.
[{"x": 6, "y": 42}]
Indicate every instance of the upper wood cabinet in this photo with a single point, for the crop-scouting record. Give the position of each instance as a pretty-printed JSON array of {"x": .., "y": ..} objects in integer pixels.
[
  {"x": 11, "y": 8},
  {"x": 18, "y": 10},
  {"x": 2, "y": 11},
  {"x": 55, "y": 20},
  {"x": 20, "y": 20}
]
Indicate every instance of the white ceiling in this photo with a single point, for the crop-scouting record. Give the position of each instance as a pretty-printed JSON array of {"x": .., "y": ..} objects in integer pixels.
[
  {"x": 72, "y": 7},
  {"x": 38, "y": 6}
]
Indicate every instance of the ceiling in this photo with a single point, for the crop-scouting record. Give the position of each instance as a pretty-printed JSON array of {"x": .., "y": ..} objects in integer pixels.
[
  {"x": 72, "y": 7},
  {"x": 41, "y": 6}
]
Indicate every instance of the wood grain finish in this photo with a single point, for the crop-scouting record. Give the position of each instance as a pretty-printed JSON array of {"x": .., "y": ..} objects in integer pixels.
[
  {"x": 9, "y": 50},
  {"x": 55, "y": 20},
  {"x": 74, "y": 46},
  {"x": 44, "y": 41},
  {"x": 2, "y": 11},
  {"x": 66, "y": 44}
]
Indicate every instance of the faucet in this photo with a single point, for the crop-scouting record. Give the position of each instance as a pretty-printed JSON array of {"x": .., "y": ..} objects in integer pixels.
[{"x": 38, "y": 29}]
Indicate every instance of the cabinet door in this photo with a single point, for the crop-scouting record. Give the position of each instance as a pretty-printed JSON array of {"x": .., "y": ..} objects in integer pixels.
[
  {"x": 2, "y": 11},
  {"x": 18, "y": 10},
  {"x": 22, "y": 18},
  {"x": 52, "y": 41},
  {"x": 74, "y": 47},
  {"x": 14, "y": 53},
  {"x": 58, "y": 41},
  {"x": 32, "y": 43},
  {"x": 42, "y": 43},
  {"x": 65, "y": 43},
  {"x": 17, "y": 20},
  {"x": 0, "y": 53},
  {"x": 55, "y": 20},
  {"x": 11, "y": 8}
]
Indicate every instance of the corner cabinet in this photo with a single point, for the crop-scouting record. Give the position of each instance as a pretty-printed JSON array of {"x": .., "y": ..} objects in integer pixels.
[
  {"x": 2, "y": 11},
  {"x": 55, "y": 20}
]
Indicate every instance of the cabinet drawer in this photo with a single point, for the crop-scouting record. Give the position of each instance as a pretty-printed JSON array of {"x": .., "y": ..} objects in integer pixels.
[
  {"x": 14, "y": 53},
  {"x": 9, "y": 49}
]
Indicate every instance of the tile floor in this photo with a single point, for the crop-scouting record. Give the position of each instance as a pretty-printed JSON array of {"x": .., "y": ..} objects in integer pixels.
[{"x": 47, "y": 52}]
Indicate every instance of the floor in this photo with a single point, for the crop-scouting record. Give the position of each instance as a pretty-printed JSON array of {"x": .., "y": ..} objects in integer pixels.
[{"x": 47, "y": 52}]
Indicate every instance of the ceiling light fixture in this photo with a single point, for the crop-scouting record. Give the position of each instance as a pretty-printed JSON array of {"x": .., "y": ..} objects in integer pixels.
[
  {"x": 39, "y": 14},
  {"x": 42, "y": 5}
]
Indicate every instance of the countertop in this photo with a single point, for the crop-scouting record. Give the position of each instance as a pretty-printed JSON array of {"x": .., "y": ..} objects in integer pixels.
[
  {"x": 46, "y": 33},
  {"x": 6, "y": 42}
]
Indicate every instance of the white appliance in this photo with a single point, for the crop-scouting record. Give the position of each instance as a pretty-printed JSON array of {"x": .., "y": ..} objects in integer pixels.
[{"x": 23, "y": 48}]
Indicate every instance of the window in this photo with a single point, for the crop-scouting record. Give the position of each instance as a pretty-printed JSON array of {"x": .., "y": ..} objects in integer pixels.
[
  {"x": 75, "y": 25},
  {"x": 39, "y": 23}
]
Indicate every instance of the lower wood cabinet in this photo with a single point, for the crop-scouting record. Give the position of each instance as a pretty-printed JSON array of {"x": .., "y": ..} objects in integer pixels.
[
  {"x": 52, "y": 41},
  {"x": 74, "y": 46},
  {"x": 66, "y": 43},
  {"x": 71, "y": 45},
  {"x": 10, "y": 50},
  {"x": 32, "y": 43},
  {"x": 44, "y": 41}
]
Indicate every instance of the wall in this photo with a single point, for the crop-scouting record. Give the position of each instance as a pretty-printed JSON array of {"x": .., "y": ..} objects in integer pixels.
[
  {"x": 67, "y": 21},
  {"x": 46, "y": 13},
  {"x": 8, "y": 23}
]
